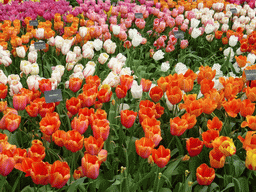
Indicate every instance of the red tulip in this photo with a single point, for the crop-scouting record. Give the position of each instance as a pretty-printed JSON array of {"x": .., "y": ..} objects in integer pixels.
[
  {"x": 205, "y": 175},
  {"x": 194, "y": 146},
  {"x": 128, "y": 118},
  {"x": 90, "y": 166},
  {"x": 161, "y": 156}
]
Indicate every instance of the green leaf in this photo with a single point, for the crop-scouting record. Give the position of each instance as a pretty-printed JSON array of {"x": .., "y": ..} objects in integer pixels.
[
  {"x": 178, "y": 187},
  {"x": 228, "y": 186},
  {"x": 165, "y": 190},
  {"x": 74, "y": 185},
  {"x": 239, "y": 165},
  {"x": 237, "y": 185},
  {"x": 179, "y": 145},
  {"x": 112, "y": 188},
  {"x": 194, "y": 163},
  {"x": 213, "y": 186},
  {"x": 244, "y": 184},
  {"x": 27, "y": 189}
]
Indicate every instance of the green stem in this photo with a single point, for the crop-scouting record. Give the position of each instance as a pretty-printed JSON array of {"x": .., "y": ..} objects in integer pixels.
[
  {"x": 157, "y": 179},
  {"x": 3, "y": 179}
]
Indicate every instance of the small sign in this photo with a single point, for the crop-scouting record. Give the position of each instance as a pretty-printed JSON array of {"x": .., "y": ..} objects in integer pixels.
[
  {"x": 138, "y": 15},
  {"x": 40, "y": 45},
  {"x": 53, "y": 96},
  {"x": 179, "y": 34},
  {"x": 233, "y": 10},
  {"x": 33, "y": 23},
  {"x": 250, "y": 74}
]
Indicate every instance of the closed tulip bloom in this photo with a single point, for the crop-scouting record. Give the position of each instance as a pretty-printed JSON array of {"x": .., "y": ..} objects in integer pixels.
[
  {"x": 15, "y": 87},
  {"x": 174, "y": 95},
  {"x": 144, "y": 147},
  {"x": 206, "y": 86},
  {"x": 92, "y": 145},
  {"x": 156, "y": 93},
  {"x": 215, "y": 123},
  {"x": 46, "y": 108},
  {"x": 3, "y": 106},
  {"x": 59, "y": 174},
  {"x": 209, "y": 136},
  {"x": 126, "y": 80},
  {"x": 247, "y": 108},
  {"x": 21, "y": 51},
  {"x": 40, "y": 172},
  {"x": 232, "y": 107},
  {"x": 12, "y": 122},
  {"x": 75, "y": 84},
  {"x": 250, "y": 161},
  {"x": 6, "y": 164},
  {"x": 3, "y": 90},
  {"x": 45, "y": 85},
  {"x": 90, "y": 166},
  {"x": 249, "y": 142},
  {"x": 228, "y": 147},
  {"x": 37, "y": 151},
  {"x": 103, "y": 58},
  {"x": 217, "y": 158},
  {"x": 100, "y": 128},
  {"x": 59, "y": 137},
  {"x": 205, "y": 175},
  {"x": 145, "y": 112},
  {"x": 121, "y": 91},
  {"x": 73, "y": 105},
  {"x": 136, "y": 91},
  {"x": 153, "y": 133},
  {"x": 74, "y": 141},
  {"x": 178, "y": 126},
  {"x": 78, "y": 173},
  {"x": 87, "y": 98},
  {"x": 146, "y": 84},
  {"x": 20, "y": 101},
  {"x": 149, "y": 123},
  {"x": 128, "y": 118},
  {"x": 32, "y": 56},
  {"x": 194, "y": 146},
  {"x": 183, "y": 44},
  {"x": 161, "y": 156},
  {"x": 80, "y": 124},
  {"x": 104, "y": 94}
]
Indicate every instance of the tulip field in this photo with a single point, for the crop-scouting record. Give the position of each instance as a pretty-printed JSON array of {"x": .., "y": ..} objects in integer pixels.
[{"x": 125, "y": 96}]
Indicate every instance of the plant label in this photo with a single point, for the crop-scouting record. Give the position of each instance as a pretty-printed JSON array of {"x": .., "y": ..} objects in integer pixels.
[
  {"x": 250, "y": 74},
  {"x": 179, "y": 34},
  {"x": 53, "y": 96},
  {"x": 138, "y": 15},
  {"x": 39, "y": 45},
  {"x": 33, "y": 23},
  {"x": 233, "y": 10}
]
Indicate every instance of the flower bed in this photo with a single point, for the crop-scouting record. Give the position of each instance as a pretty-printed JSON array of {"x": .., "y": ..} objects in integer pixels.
[{"x": 153, "y": 96}]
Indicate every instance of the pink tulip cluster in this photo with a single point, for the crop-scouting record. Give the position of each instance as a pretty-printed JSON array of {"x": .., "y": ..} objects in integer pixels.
[{"x": 251, "y": 3}]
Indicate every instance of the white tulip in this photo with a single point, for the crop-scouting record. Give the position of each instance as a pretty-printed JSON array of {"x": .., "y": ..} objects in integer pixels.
[
  {"x": 21, "y": 51},
  {"x": 158, "y": 55},
  {"x": 32, "y": 56},
  {"x": 34, "y": 69}
]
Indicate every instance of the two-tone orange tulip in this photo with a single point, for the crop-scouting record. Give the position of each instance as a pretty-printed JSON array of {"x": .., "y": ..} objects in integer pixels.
[
  {"x": 205, "y": 175},
  {"x": 144, "y": 147},
  {"x": 161, "y": 156},
  {"x": 156, "y": 93},
  {"x": 217, "y": 158},
  {"x": 209, "y": 136},
  {"x": 215, "y": 123},
  {"x": 191, "y": 119},
  {"x": 247, "y": 108},
  {"x": 250, "y": 122},
  {"x": 249, "y": 142},
  {"x": 100, "y": 128},
  {"x": 90, "y": 166},
  {"x": 194, "y": 146},
  {"x": 59, "y": 137},
  {"x": 75, "y": 84},
  {"x": 178, "y": 126},
  {"x": 3, "y": 90},
  {"x": 74, "y": 141},
  {"x": 93, "y": 145},
  {"x": 80, "y": 124},
  {"x": 128, "y": 118},
  {"x": 73, "y": 105}
]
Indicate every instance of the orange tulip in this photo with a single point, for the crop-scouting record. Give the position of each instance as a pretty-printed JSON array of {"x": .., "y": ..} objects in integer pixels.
[
  {"x": 205, "y": 72},
  {"x": 45, "y": 85},
  {"x": 93, "y": 80},
  {"x": 209, "y": 136},
  {"x": 218, "y": 34},
  {"x": 104, "y": 94},
  {"x": 73, "y": 105},
  {"x": 46, "y": 108},
  {"x": 100, "y": 128},
  {"x": 146, "y": 112},
  {"x": 159, "y": 110},
  {"x": 3, "y": 90},
  {"x": 121, "y": 91},
  {"x": 161, "y": 156},
  {"x": 3, "y": 106},
  {"x": 126, "y": 80},
  {"x": 218, "y": 97},
  {"x": 227, "y": 147},
  {"x": 215, "y": 123},
  {"x": 153, "y": 133},
  {"x": 128, "y": 118},
  {"x": 147, "y": 103},
  {"x": 250, "y": 122},
  {"x": 251, "y": 93},
  {"x": 40, "y": 172},
  {"x": 194, "y": 146},
  {"x": 217, "y": 158},
  {"x": 19, "y": 154},
  {"x": 174, "y": 94},
  {"x": 59, "y": 137},
  {"x": 59, "y": 174},
  {"x": 146, "y": 84},
  {"x": 247, "y": 108},
  {"x": 193, "y": 107},
  {"x": 75, "y": 84},
  {"x": 90, "y": 166},
  {"x": 102, "y": 155},
  {"x": 37, "y": 151},
  {"x": 50, "y": 123},
  {"x": 161, "y": 82},
  {"x": 144, "y": 147},
  {"x": 241, "y": 60},
  {"x": 209, "y": 105},
  {"x": 78, "y": 173},
  {"x": 232, "y": 107},
  {"x": 206, "y": 85},
  {"x": 178, "y": 126},
  {"x": 191, "y": 119},
  {"x": 156, "y": 93},
  {"x": 12, "y": 121},
  {"x": 249, "y": 142},
  {"x": 87, "y": 98},
  {"x": 186, "y": 84},
  {"x": 205, "y": 175},
  {"x": 92, "y": 145},
  {"x": 80, "y": 124},
  {"x": 74, "y": 141},
  {"x": 6, "y": 164}
]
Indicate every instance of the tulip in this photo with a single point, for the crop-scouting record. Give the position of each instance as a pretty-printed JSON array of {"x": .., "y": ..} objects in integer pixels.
[
  {"x": 249, "y": 142},
  {"x": 3, "y": 90},
  {"x": 217, "y": 158},
  {"x": 21, "y": 52},
  {"x": 194, "y": 146},
  {"x": 146, "y": 84},
  {"x": 100, "y": 128},
  {"x": 92, "y": 145},
  {"x": 90, "y": 166},
  {"x": 12, "y": 121},
  {"x": 74, "y": 141},
  {"x": 32, "y": 56},
  {"x": 6, "y": 164},
  {"x": 205, "y": 175},
  {"x": 20, "y": 101},
  {"x": 161, "y": 156},
  {"x": 178, "y": 126},
  {"x": 40, "y": 172},
  {"x": 59, "y": 137},
  {"x": 80, "y": 124},
  {"x": 104, "y": 94},
  {"x": 144, "y": 147},
  {"x": 49, "y": 124},
  {"x": 37, "y": 151},
  {"x": 103, "y": 58},
  {"x": 59, "y": 174},
  {"x": 156, "y": 93},
  {"x": 73, "y": 105},
  {"x": 128, "y": 118},
  {"x": 250, "y": 159},
  {"x": 215, "y": 123}
]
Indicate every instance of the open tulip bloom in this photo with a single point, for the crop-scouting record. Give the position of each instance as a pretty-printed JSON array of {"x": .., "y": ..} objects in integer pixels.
[{"x": 127, "y": 96}]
